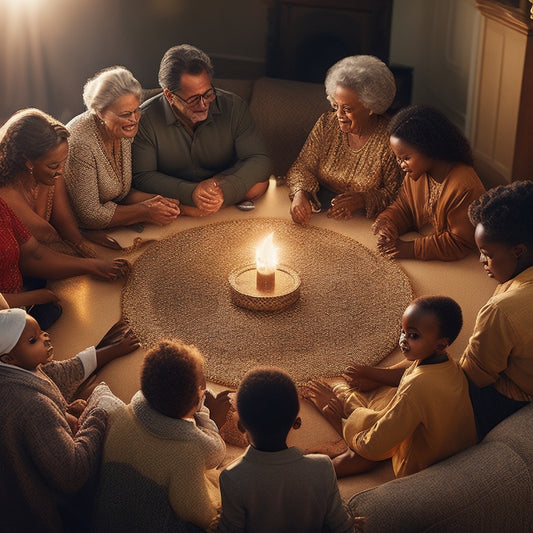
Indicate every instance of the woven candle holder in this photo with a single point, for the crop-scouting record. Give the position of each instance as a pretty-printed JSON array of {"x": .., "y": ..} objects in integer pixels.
[{"x": 244, "y": 292}]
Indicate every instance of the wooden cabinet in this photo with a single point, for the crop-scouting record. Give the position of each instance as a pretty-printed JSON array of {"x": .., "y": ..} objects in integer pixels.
[{"x": 502, "y": 121}]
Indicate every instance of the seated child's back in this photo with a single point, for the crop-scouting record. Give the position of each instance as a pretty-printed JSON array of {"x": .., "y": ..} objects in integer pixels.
[
  {"x": 273, "y": 488},
  {"x": 161, "y": 450}
]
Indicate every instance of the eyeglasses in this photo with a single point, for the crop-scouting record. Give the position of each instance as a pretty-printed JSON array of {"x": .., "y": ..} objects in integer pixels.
[
  {"x": 193, "y": 101},
  {"x": 127, "y": 115}
]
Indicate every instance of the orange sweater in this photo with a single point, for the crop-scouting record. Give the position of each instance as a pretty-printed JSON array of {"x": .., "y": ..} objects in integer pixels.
[{"x": 454, "y": 234}]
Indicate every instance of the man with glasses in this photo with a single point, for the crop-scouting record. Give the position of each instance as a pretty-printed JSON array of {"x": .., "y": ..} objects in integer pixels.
[{"x": 197, "y": 143}]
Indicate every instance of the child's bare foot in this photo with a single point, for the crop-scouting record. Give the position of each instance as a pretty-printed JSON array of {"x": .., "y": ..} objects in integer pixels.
[
  {"x": 349, "y": 463},
  {"x": 321, "y": 395},
  {"x": 359, "y": 378},
  {"x": 72, "y": 422},
  {"x": 77, "y": 407}
]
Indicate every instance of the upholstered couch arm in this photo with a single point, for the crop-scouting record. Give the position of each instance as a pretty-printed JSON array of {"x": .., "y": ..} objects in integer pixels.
[{"x": 488, "y": 487}]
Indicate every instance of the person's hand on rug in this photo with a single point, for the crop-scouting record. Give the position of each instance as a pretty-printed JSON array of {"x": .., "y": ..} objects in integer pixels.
[
  {"x": 110, "y": 270},
  {"x": 218, "y": 406},
  {"x": 118, "y": 341},
  {"x": 322, "y": 396},
  {"x": 361, "y": 378},
  {"x": 114, "y": 334},
  {"x": 301, "y": 208}
]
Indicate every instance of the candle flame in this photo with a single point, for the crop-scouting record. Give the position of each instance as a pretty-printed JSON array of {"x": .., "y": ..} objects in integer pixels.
[{"x": 266, "y": 256}]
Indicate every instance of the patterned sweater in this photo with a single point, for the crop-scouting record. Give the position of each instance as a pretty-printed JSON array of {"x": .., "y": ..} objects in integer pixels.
[
  {"x": 13, "y": 234},
  {"x": 93, "y": 183}
]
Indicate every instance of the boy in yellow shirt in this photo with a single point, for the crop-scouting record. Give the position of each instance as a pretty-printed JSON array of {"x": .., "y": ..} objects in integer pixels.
[{"x": 429, "y": 416}]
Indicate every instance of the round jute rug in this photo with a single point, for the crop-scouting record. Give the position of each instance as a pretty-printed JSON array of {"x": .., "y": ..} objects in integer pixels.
[{"x": 351, "y": 300}]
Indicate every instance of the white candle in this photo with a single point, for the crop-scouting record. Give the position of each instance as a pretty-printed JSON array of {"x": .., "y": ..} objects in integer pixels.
[{"x": 266, "y": 260}]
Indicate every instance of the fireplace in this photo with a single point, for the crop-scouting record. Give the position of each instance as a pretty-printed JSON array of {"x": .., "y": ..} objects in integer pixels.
[{"x": 306, "y": 37}]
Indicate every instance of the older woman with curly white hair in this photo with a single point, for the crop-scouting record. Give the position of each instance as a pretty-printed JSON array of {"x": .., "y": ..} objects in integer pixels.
[
  {"x": 98, "y": 170},
  {"x": 347, "y": 160}
]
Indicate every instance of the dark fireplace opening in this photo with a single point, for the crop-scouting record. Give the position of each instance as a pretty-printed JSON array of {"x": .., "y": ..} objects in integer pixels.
[
  {"x": 313, "y": 57},
  {"x": 306, "y": 37}
]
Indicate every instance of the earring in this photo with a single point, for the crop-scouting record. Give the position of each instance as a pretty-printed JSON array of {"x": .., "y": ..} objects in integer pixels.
[{"x": 370, "y": 113}]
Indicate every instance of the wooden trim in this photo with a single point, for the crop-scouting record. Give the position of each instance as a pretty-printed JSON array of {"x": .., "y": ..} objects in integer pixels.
[
  {"x": 512, "y": 18},
  {"x": 523, "y": 156}
]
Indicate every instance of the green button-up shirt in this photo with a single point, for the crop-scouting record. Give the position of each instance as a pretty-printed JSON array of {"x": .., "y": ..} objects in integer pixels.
[{"x": 170, "y": 160}]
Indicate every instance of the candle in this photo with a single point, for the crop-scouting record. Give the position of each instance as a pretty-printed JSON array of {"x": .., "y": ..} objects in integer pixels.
[{"x": 266, "y": 261}]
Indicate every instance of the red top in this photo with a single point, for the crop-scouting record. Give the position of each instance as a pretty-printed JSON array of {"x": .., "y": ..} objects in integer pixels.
[{"x": 13, "y": 234}]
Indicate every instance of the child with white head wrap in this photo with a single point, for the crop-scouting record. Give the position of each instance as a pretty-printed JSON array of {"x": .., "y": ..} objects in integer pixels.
[
  {"x": 48, "y": 452},
  {"x": 12, "y": 322}
]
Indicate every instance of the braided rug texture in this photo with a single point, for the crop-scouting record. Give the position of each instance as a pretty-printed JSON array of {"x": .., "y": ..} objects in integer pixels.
[{"x": 351, "y": 300}]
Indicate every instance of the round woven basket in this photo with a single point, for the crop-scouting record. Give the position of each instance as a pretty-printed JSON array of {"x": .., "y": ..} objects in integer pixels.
[
  {"x": 349, "y": 309},
  {"x": 244, "y": 292}
]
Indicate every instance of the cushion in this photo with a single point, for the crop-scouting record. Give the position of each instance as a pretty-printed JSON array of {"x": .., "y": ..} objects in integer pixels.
[
  {"x": 128, "y": 502},
  {"x": 517, "y": 433},
  {"x": 485, "y": 488},
  {"x": 285, "y": 112}
]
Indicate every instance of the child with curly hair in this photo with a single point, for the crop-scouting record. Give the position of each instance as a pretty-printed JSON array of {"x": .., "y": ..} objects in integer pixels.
[
  {"x": 499, "y": 357},
  {"x": 439, "y": 185},
  {"x": 162, "y": 450}
]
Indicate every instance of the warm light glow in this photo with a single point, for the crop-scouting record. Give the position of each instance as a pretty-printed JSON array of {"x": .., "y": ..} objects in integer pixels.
[
  {"x": 266, "y": 256},
  {"x": 21, "y": 4}
]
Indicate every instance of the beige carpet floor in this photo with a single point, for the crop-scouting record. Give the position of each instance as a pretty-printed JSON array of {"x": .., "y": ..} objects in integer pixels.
[{"x": 90, "y": 307}]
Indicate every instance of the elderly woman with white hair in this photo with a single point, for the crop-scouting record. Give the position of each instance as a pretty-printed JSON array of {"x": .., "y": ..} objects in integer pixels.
[
  {"x": 98, "y": 169},
  {"x": 347, "y": 160}
]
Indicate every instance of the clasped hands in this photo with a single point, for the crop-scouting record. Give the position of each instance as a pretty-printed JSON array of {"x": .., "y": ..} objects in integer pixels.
[
  {"x": 342, "y": 207},
  {"x": 162, "y": 210},
  {"x": 389, "y": 243},
  {"x": 208, "y": 196}
]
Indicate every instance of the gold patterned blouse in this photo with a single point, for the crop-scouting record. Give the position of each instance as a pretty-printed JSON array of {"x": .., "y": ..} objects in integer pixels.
[
  {"x": 434, "y": 188},
  {"x": 327, "y": 159},
  {"x": 94, "y": 181}
]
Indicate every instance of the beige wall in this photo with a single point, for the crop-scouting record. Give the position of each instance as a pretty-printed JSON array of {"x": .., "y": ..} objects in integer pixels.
[
  {"x": 48, "y": 52},
  {"x": 439, "y": 39},
  {"x": 49, "y": 49}
]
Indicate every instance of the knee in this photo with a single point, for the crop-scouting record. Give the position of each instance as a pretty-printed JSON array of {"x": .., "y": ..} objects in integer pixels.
[{"x": 257, "y": 190}]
